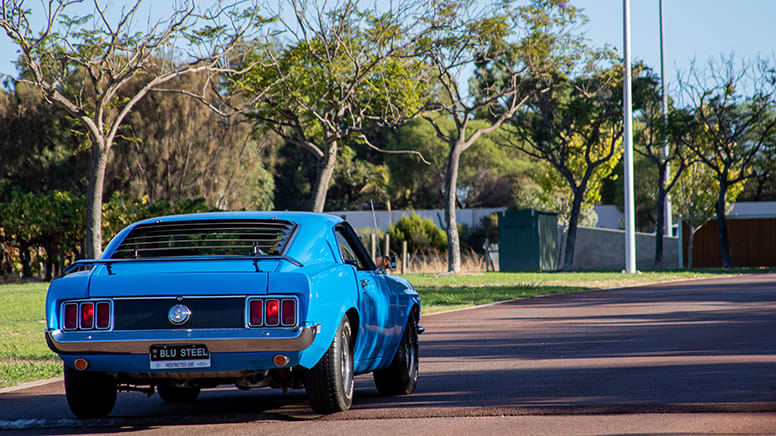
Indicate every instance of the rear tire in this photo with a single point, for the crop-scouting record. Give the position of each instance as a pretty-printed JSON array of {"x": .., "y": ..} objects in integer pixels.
[
  {"x": 401, "y": 377},
  {"x": 90, "y": 394},
  {"x": 173, "y": 393},
  {"x": 329, "y": 384}
]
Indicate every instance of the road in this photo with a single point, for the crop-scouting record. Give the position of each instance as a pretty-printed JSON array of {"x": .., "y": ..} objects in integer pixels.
[{"x": 688, "y": 357}]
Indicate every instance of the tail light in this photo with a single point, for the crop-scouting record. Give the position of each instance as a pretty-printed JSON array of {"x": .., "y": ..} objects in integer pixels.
[
  {"x": 103, "y": 315},
  {"x": 87, "y": 316},
  {"x": 289, "y": 312},
  {"x": 273, "y": 312},
  {"x": 255, "y": 313},
  {"x": 71, "y": 316}
]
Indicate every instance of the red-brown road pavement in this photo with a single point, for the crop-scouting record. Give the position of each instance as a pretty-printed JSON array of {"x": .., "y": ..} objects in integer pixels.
[{"x": 686, "y": 357}]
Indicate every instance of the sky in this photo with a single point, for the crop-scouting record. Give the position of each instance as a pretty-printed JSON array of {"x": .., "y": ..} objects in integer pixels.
[{"x": 693, "y": 29}]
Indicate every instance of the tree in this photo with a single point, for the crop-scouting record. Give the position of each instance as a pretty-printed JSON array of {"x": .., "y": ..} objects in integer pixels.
[
  {"x": 695, "y": 199},
  {"x": 97, "y": 57},
  {"x": 488, "y": 174},
  {"x": 343, "y": 73},
  {"x": 733, "y": 110},
  {"x": 172, "y": 147},
  {"x": 651, "y": 137},
  {"x": 39, "y": 149},
  {"x": 575, "y": 125},
  {"x": 469, "y": 34}
]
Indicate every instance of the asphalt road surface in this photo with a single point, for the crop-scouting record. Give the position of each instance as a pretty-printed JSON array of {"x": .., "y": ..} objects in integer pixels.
[{"x": 693, "y": 357}]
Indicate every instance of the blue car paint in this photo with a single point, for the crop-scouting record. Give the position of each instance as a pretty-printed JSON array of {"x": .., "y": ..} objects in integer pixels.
[{"x": 327, "y": 289}]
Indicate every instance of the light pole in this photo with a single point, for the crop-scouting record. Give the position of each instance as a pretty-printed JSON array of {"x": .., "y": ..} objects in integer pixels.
[
  {"x": 630, "y": 222},
  {"x": 667, "y": 205}
]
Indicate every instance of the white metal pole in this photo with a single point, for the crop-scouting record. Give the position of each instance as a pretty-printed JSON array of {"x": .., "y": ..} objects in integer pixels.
[
  {"x": 630, "y": 222},
  {"x": 667, "y": 206}
]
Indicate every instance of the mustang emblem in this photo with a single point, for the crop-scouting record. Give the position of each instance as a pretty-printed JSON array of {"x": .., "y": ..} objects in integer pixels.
[{"x": 179, "y": 314}]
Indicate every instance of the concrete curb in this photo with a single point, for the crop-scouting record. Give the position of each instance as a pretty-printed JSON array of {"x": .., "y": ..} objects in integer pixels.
[{"x": 31, "y": 384}]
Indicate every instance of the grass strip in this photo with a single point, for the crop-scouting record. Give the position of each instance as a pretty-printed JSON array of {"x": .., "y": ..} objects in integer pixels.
[
  {"x": 440, "y": 292},
  {"x": 24, "y": 355}
]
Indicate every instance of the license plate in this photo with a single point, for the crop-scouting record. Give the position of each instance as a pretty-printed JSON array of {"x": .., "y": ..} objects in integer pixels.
[{"x": 179, "y": 356}]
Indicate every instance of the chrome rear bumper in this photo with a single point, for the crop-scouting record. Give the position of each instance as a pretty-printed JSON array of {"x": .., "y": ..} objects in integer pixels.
[{"x": 217, "y": 341}]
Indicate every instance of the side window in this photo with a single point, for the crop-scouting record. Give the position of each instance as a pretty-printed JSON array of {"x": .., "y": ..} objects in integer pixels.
[{"x": 348, "y": 255}]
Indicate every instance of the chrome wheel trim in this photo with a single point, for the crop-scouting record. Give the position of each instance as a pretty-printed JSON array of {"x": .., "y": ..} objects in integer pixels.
[{"x": 346, "y": 369}]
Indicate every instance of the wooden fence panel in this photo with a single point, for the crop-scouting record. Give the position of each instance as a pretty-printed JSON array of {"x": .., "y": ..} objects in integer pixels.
[{"x": 752, "y": 243}]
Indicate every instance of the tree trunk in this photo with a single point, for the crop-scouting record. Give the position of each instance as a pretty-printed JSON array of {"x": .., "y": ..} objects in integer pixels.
[
  {"x": 689, "y": 245},
  {"x": 94, "y": 198},
  {"x": 51, "y": 252},
  {"x": 724, "y": 245},
  {"x": 26, "y": 259},
  {"x": 451, "y": 182},
  {"x": 661, "y": 197},
  {"x": 571, "y": 234},
  {"x": 325, "y": 172}
]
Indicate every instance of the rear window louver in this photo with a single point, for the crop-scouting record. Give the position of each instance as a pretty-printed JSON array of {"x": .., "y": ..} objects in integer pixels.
[{"x": 206, "y": 238}]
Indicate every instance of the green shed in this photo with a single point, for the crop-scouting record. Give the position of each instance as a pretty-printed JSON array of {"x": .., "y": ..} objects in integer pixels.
[{"x": 528, "y": 240}]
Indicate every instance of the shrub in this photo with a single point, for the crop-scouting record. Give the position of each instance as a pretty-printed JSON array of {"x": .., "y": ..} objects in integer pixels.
[{"x": 420, "y": 233}]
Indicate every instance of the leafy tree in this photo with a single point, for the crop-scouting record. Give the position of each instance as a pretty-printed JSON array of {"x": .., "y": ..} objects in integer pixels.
[
  {"x": 122, "y": 211},
  {"x": 575, "y": 126},
  {"x": 652, "y": 140},
  {"x": 52, "y": 221},
  {"x": 173, "y": 147},
  {"x": 39, "y": 150},
  {"x": 732, "y": 109},
  {"x": 98, "y": 57},
  {"x": 695, "y": 198},
  {"x": 343, "y": 72},
  {"x": 488, "y": 176},
  {"x": 510, "y": 46}
]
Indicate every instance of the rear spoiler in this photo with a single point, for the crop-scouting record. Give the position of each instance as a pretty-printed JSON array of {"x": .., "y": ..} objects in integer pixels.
[{"x": 110, "y": 262}]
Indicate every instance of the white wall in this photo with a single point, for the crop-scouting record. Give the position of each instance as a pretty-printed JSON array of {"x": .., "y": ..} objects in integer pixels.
[{"x": 362, "y": 219}]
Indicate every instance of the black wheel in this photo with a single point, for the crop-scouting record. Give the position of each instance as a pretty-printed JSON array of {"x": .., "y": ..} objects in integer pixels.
[
  {"x": 172, "y": 392},
  {"x": 329, "y": 384},
  {"x": 90, "y": 394},
  {"x": 401, "y": 377}
]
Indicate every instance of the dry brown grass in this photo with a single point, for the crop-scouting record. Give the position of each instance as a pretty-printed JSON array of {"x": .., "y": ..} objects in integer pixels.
[{"x": 437, "y": 263}]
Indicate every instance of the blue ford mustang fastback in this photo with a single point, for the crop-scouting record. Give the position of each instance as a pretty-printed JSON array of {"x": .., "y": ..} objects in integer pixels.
[{"x": 254, "y": 299}]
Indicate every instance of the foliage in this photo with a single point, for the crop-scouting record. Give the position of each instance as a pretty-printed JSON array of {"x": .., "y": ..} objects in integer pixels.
[
  {"x": 488, "y": 174},
  {"x": 50, "y": 221},
  {"x": 732, "y": 119},
  {"x": 695, "y": 199},
  {"x": 122, "y": 211},
  {"x": 575, "y": 126},
  {"x": 40, "y": 149},
  {"x": 173, "y": 147},
  {"x": 344, "y": 72},
  {"x": 83, "y": 63},
  {"x": 512, "y": 47},
  {"x": 473, "y": 238},
  {"x": 421, "y": 234}
]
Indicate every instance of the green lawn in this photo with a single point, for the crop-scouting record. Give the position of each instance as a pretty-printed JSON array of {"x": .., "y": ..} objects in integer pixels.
[
  {"x": 24, "y": 355},
  {"x": 445, "y": 292}
]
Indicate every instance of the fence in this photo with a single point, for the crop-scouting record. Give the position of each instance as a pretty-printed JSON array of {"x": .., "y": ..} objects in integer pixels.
[{"x": 752, "y": 243}]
